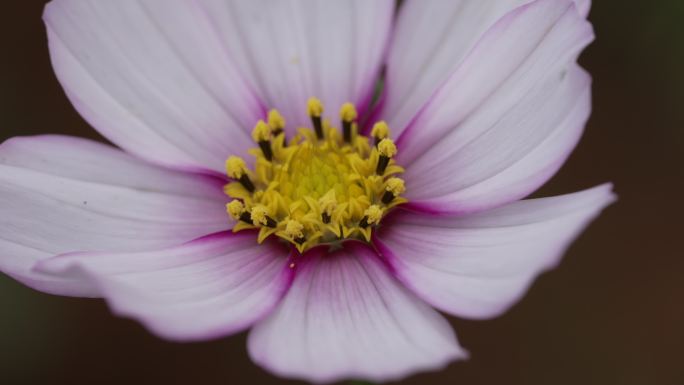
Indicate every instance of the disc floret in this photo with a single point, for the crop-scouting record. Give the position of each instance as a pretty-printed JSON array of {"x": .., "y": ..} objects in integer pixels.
[{"x": 321, "y": 187}]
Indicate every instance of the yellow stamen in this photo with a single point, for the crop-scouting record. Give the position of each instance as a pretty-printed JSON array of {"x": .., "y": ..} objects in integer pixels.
[
  {"x": 261, "y": 132},
  {"x": 236, "y": 167},
  {"x": 328, "y": 203},
  {"x": 260, "y": 215},
  {"x": 275, "y": 120},
  {"x": 293, "y": 229},
  {"x": 348, "y": 115},
  {"x": 348, "y": 112},
  {"x": 395, "y": 186},
  {"x": 387, "y": 148},
  {"x": 319, "y": 187},
  {"x": 314, "y": 107},
  {"x": 373, "y": 214},
  {"x": 380, "y": 131},
  {"x": 235, "y": 209}
]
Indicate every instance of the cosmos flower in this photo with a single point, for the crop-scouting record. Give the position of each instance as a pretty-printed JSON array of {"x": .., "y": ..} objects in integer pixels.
[{"x": 258, "y": 185}]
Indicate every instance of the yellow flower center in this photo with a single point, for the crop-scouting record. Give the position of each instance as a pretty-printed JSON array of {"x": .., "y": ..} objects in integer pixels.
[{"x": 320, "y": 187}]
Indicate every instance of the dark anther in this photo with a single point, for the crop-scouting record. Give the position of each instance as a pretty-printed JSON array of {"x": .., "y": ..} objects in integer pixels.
[
  {"x": 244, "y": 180},
  {"x": 347, "y": 131},
  {"x": 383, "y": 161},
  {"x": 364, "y": 222},
  {"x": 318, "y": 126},
  {"x": 246, "y": 217},
  {"x": 326, "y": 218},
  {"x": 279, "y": 131},
  {"x": 376, "y": 141},
  {"x": 266, "y": 149},
  {"x": 300, "y": 240},
  {"x": 270, "y": 222},
  {"x": 387, "y": 197}
]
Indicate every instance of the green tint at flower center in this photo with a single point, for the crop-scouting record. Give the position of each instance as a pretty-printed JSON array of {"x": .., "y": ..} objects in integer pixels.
[{"x": 314, "y": 171}]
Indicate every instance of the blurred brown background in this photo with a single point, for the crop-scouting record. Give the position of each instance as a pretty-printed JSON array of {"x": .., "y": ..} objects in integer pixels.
[{"x": 612, "y": 313}]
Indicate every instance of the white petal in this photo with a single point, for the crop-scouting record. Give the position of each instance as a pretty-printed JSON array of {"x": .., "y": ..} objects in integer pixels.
[
  {"x": 152, "y": 77},
  {"x": 205, "y": 289},
  {"x": 479, "y": 265},
  {"x": 517, "y": 95},
  {"x": 62, "y": 194},
  {"x": 502, "y": 153},
  {"x": 584, "y": 7},
  {"x": 346, "y": 317},
  {"x": 292, "y": 50},
  {"x": 432, "y": 39}
]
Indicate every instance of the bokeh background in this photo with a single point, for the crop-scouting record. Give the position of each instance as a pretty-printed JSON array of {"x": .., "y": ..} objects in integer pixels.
[{"x": 612, "y": 313}]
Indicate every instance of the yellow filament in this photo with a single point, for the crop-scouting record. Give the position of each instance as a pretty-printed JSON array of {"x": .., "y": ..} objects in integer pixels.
[{"x": 328, "y": 202}]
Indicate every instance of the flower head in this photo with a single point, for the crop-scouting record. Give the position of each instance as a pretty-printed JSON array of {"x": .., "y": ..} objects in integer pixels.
[{"x": 258, "y": 186}]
